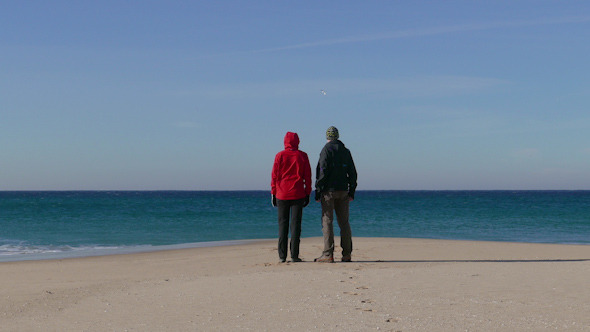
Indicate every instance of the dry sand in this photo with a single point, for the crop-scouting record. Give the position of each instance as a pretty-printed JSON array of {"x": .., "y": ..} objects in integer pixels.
[{"x": 392, "y": 285}]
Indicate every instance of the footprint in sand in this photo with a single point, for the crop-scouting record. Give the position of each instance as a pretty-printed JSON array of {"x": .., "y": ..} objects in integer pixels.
[
  {"x": 351, "y": 293},
  {"x": 364, "y": 309}
]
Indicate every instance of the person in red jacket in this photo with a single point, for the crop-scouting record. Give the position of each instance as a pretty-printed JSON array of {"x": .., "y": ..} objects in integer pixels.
[{"x": 290, "y": 189}]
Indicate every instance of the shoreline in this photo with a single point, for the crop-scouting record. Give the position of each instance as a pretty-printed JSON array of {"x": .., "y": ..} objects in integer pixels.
[
  {"x": 125, "y": 250},
  {"x": 393, "y": 284}
]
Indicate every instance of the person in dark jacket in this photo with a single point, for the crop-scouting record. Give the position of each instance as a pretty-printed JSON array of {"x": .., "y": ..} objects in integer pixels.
[
  {"x": 334, "y": 187},
  {"x": 290, "y": 189}
]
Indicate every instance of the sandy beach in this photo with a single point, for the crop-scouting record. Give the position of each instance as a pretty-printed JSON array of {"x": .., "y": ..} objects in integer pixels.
[{"x": 392, "y": 285}]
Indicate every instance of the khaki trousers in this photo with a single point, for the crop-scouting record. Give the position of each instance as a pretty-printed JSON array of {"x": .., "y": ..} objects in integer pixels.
[{"x": 336, "y": 201}]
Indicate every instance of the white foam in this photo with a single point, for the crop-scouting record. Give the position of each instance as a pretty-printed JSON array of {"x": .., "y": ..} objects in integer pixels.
[{"x": 17, "y": 252}]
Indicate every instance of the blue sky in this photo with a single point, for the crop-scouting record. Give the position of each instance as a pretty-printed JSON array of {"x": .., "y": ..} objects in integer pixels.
[{"x": 198, "y": 95}]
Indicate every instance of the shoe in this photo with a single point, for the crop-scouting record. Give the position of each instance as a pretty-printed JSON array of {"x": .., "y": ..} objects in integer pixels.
[
  {"x": 282, "y": 260},
  {"x": 296, "y": 260},
  {"x": 346, "y": 259},
  {"x": 324, "y": 259}
]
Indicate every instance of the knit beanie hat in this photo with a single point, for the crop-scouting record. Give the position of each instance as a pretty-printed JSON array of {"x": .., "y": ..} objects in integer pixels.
[{"x": 332, "y": 133}]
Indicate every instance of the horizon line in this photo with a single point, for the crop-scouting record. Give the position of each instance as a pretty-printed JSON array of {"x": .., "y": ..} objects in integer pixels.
[{"x": 261, "y": 190}]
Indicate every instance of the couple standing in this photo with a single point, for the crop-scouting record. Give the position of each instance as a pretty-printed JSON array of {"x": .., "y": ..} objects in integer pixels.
[{"x": 335, "y": 186}]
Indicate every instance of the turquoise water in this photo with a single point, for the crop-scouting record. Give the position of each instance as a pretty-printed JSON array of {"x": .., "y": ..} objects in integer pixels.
[{"x": 38, "y": 223}]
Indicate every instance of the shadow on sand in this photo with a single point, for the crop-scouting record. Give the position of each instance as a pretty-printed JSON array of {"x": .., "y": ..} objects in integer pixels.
[{"x": 475, "y": 261}]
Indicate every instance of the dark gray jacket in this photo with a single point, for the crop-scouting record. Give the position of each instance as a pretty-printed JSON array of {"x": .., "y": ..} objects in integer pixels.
[{"x": 335, "y": 170}]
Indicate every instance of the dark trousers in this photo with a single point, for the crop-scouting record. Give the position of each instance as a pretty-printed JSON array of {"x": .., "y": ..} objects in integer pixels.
[{"x": 294, "y": 209}]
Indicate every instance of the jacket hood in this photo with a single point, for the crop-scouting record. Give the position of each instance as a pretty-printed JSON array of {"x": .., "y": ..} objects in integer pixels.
[{"x": 291, "y": 141}]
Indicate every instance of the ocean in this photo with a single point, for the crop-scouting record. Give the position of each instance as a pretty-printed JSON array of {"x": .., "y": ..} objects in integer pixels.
[{"x": 40, "y": 225}]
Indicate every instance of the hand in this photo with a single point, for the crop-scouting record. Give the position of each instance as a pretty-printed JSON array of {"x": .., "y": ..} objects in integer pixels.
[
  {"x": 306, "y": 201},
  {"x": 317, "y": 196},
  {"x": 273, "y": 200}
]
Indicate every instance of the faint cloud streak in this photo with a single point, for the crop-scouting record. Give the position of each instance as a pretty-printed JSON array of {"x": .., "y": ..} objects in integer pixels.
[
  {"x": 527, "y": 153},
  {"x": 429, "y": 32},
  {"x": 411, "y": 87},
  {"x": 186, "y": 124}
]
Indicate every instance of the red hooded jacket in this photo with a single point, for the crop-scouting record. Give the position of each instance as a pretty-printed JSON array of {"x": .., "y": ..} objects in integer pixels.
[{"x": 291, "y": 173}]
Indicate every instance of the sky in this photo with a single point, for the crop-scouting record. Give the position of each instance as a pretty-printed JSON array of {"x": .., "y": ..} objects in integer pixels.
[{"x": 198, "y": 95}]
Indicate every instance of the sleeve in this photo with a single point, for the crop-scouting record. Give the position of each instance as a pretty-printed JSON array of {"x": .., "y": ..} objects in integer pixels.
[
  {"x": 275, "y": 175},
  {"x": 352, "y": 176},
  {"x": 321, "y": 169},
  {"x": 307, "y": 175}
]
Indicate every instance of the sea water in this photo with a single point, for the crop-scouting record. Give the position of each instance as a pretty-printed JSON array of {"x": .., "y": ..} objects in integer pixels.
[{"x": 37, "y": 225}]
